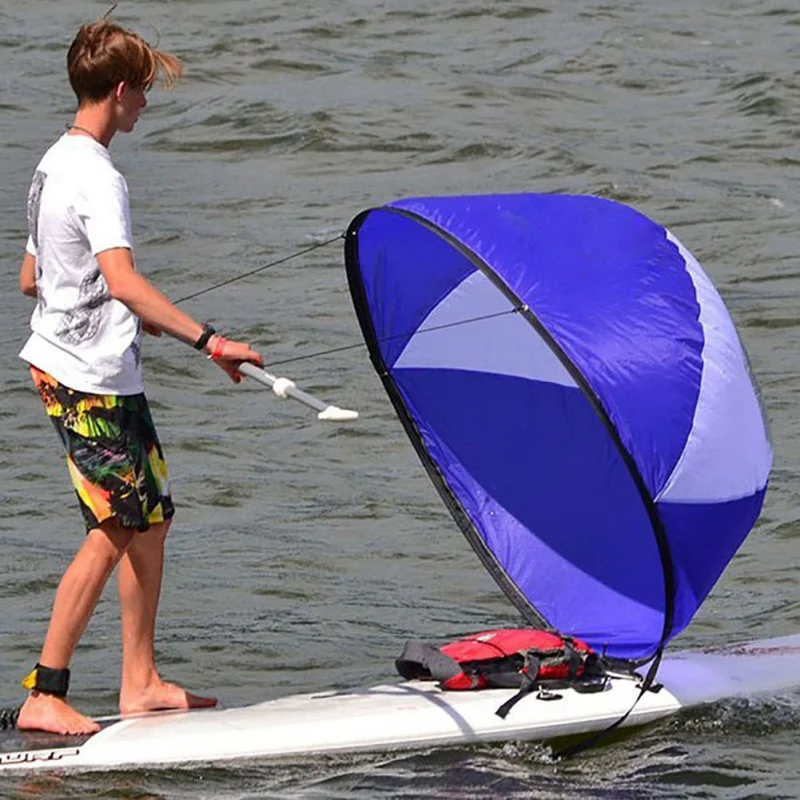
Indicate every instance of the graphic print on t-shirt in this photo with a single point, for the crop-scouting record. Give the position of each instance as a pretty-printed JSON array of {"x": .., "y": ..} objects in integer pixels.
[
  {"x": 34, "y": 204},
  {"x": 82, "y": 323}
]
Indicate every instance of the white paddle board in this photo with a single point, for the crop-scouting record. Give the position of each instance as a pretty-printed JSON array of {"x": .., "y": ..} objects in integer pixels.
[{"x": 404, "y": 715}]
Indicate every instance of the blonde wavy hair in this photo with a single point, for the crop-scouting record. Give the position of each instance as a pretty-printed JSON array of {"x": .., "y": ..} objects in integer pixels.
[{"x": 105, "y": 54}]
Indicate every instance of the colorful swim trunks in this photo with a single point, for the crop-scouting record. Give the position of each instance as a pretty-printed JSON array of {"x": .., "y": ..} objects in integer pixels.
[{"x": 113, "y": 454}]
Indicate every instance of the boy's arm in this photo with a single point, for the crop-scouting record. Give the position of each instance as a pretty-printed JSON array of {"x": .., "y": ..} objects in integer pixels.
[
  {"x": 154, "y": 309},
  {"x": 27, "y": 275},
  {"x": 148, "y": 303}
]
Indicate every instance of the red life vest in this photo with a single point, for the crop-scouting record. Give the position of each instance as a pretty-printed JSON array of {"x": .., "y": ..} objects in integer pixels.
[{"x": 527, "y": 659}]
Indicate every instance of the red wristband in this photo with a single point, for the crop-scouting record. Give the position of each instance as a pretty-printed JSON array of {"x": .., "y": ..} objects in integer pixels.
[{"x": 219, "y": 345}]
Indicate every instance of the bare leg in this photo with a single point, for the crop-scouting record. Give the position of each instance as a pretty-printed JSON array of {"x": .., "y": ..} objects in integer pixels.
[
  {"x": 77, "y": 595},
  {"x": 140, "y": 573}
]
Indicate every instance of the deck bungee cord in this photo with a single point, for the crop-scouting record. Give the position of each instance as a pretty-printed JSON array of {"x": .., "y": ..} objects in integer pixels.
[{"x": 8, "y": 718}]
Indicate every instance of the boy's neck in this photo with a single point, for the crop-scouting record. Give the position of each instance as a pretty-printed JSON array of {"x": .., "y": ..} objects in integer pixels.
[{"x": 96, "y": 121}]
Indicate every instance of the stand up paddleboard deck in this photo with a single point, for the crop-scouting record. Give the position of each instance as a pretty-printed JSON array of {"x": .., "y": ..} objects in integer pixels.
[{"x": 405, "y": 715}]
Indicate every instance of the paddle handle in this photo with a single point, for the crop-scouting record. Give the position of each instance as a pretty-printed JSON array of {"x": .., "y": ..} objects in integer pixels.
[{"x": 283, "y": 387}]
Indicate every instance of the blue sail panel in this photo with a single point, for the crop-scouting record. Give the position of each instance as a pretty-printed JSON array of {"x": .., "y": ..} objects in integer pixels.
[
  {"x": 400, "y": 253},
  {"x": 704, "y": 537},
  {"x": 535, "y": 470}
]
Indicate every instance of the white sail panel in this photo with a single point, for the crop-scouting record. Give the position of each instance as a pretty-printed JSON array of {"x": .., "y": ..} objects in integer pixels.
[
  {"x": 727, "y": 454},
  {"x": 475, "y": 328}
]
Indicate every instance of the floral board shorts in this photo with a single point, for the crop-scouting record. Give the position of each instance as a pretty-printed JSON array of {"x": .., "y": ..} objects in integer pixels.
[{"x": 113, "y": 454}]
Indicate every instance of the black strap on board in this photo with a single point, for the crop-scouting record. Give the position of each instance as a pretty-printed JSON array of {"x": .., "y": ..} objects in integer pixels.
[{"x": 648, "y": 684}]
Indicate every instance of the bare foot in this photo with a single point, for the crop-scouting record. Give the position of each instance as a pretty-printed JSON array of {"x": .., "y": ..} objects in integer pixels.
[
  {"x": 161, "y": 696},
  {"x": 45, "y": 712}
]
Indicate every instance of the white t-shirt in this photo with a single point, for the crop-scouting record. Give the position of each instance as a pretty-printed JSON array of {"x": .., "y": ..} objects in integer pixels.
[{"x": 78, "y": 207}]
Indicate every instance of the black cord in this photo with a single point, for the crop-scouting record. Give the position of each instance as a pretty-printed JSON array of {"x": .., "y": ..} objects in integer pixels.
[
  {"x": 259, "y": 269},
  {"x": 334, "y": 349},
  {"x": 346, "y": 347},
  {"x": 648, "y": 684}
]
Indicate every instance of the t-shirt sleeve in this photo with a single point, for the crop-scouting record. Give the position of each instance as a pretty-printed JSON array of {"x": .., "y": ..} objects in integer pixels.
[
  {"x": 30, "y": 247},
  {"x": 104, "y": 208}
]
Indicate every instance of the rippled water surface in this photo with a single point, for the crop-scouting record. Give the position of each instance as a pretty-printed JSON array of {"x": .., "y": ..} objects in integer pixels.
[{"x": 303, "y": 556}]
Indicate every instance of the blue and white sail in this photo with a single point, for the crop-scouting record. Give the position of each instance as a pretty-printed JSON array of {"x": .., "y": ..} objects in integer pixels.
[{"x": 579, "y": 395}]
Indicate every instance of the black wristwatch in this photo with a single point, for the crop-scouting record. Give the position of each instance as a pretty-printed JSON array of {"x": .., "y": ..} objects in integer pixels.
[{"x": 207, "y": 333}]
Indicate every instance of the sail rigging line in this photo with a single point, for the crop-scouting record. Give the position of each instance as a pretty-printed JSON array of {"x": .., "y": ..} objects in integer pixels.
[
  {"x": 284, "y": 387},
  {"x": 384, "y": 339},
  {"x": 282, "y": 260},
  {"x": 526, "y": 608},
  {"x": 344, "y": 348},
  {"x": 325, "y": 410}
]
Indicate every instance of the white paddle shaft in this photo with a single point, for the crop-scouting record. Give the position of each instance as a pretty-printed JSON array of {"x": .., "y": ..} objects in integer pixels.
[{"x": 283, "y": 387}]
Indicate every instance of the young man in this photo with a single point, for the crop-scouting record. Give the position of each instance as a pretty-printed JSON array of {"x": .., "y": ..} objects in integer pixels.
[{"x": 84, "y": 354}]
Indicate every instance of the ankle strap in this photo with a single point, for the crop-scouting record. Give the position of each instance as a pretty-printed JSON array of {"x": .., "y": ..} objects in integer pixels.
[{"x": 47, "y": 680}]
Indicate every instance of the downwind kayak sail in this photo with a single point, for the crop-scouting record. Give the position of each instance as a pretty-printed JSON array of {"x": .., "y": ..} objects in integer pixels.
[{"x": 579, "y": 395}]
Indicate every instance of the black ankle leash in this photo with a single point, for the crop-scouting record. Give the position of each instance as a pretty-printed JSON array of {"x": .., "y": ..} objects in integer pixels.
[{"x": 47, "y": 680}]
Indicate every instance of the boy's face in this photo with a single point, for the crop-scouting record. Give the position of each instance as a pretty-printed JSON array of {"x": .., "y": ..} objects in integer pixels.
[{"x": 131, "y": 101}]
